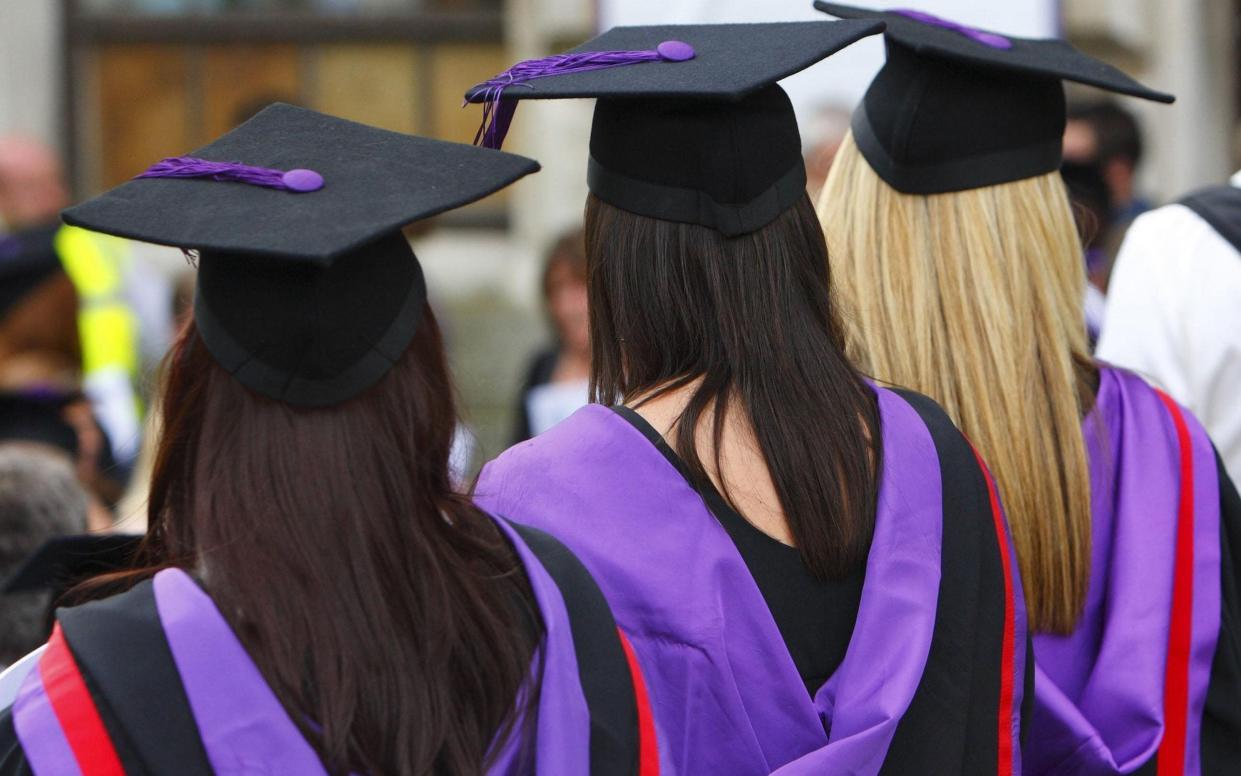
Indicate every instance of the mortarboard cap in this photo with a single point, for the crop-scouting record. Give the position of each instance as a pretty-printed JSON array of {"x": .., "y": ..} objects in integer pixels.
[
  {"x": 27, "y": 260},
  {"x": 690, "y": 125},
  {"x": 958, "y": 108},
  {"x": 307, "y": 292},
  {"x": 64, "y": 561}
]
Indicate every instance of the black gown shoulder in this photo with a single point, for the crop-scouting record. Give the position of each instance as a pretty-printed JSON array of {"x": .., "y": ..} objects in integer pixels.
[
  {"x": 959, "y": 696},
  {"x": 1221, "y": 718}
]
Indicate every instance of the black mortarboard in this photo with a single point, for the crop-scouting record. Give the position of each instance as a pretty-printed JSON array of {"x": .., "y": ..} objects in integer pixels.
[
  {"x": 65, "y": 561},
  {"x": 958, "y": 108},
  {"x": 27, "y": 260},
  {"x": 37, "y": 418},
  {"x": 690, "y": 125},
  {"x": 307, "y": 291}
]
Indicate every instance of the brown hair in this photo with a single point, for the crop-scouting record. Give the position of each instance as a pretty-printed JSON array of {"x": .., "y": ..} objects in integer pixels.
[
  {"x": 753, "y": 320},
  {"x": 376, "y": 601}
]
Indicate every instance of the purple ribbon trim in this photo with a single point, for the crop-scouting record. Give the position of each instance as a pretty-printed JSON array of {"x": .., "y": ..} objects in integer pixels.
[
  {"x": 498, "y": 115},
  {"x": 299, "y": 181},
  {"x": 985, "y": 38}
]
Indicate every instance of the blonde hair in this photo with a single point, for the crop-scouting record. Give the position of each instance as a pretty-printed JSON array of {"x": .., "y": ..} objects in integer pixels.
[{"x": 975, "y": 298}]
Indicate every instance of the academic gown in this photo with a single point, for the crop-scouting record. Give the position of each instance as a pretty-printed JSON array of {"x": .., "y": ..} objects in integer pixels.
[
  {"x": 1150, "y": 680},
  {"x": 154, "y": 681},
  {"x": 934, "y": 673}
]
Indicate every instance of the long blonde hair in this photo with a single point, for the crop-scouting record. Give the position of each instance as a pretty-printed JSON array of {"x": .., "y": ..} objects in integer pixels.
[{"x": 975, "y": 298}]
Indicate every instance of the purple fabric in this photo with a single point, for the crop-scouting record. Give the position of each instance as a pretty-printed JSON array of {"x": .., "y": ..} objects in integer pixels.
[
  {"x": 726, "y": 694},
  {"x": 498, "y": 113},
  {"x": 243, "y": 726},
  {"x": 1099, "y": 691},
  {"x": 43, "y": 741},
  {"x": 989, "y": 39},
  {"x": 563, "y": 724},
  {"x": 299, "y": 181}
]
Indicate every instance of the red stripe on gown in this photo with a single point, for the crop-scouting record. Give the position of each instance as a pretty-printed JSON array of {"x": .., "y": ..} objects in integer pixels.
[
  {"x": 648, "y": 747},
  {"x": 75, "y": 710},
  {"x": 1171, "y": 757},
  {"x": 1005, "y": 734}
]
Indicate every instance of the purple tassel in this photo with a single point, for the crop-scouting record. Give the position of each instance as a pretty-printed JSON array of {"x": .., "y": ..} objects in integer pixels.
[
  {"x": 989, "y": 39},
  {"x": 498, "y": 113},
  {"x": 299, "y": 180}
]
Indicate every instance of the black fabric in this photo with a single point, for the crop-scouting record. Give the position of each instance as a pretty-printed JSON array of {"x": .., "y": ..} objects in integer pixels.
[
  {"x": 34, "y": 418},
  {"x": 958, "y": 697},
  {"x": 375, "y": 182},
  {"x": 1219, "y": 206},
  {"x": 693, "y": 206},
  {"x": 1221, "y": 719},
  {"x": 815, "y": 617},
  {"x": 64, "y": 561},
  {"x": 712, "y": 140},
  {"x": 949, "y": 113},
  {"x": 28, "y": 259},
  {"x": 309, "y": 335},
  {"x": 542, "y": 367},
  {"x": 731, "y": 167},
  {"x": 602, "y": 666},
  {"x": 120, "y": 648},
  {"x": 13, "y": 760}
]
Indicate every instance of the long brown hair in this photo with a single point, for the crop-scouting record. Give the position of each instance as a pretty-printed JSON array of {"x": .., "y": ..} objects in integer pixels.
[
  {"x": 975, "y": 299},
  {"x": 387, "y": 613},
  {"x": 752, "y": 319}
]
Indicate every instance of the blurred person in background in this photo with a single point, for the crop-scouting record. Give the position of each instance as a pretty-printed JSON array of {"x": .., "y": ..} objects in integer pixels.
[
  {"x": 116, "y": 296},
  {"x": 558, "y": 377},
  {"x": 1174, "y": 308},
  {"x": 1103, "y": 135},
  {"x": 40, "y": 358},
  {"x": 63, "y": 422},
  {"x": 1092, "y": 211},
  {"x": 965, "y": 281},
  {"x": 40, "y": 499}
]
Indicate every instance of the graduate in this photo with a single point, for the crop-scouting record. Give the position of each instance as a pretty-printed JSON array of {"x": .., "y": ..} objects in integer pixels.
[
  {"x": 952, "y": 236},
  {"x": 314, "y": 597},
  {"x": 814, "y": 572}
]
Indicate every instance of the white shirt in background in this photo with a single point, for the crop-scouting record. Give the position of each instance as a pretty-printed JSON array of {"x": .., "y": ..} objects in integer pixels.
[{"x": 1174, "y": 315}]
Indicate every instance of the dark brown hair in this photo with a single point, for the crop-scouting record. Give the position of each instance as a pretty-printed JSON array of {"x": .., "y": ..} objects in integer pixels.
[
  {"x": 376, "y": 601},
  {"x": 753, "y": 318}
]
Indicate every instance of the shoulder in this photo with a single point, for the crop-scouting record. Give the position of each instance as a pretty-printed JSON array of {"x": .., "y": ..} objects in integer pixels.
[
  {"x": 909, "y": 410},
  {"x": 1172, "y": 236}
]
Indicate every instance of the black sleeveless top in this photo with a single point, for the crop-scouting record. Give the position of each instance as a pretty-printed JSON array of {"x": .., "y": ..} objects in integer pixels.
[{"x": 815, "y": 617}]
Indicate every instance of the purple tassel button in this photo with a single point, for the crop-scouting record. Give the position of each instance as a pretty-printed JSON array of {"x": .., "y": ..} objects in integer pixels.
[
  {"x": 302, "y": 181},
  {"x": 675, "y": 51}
]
